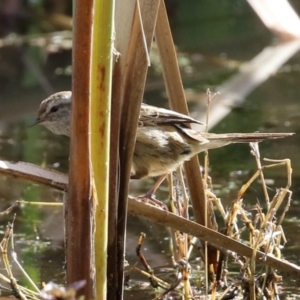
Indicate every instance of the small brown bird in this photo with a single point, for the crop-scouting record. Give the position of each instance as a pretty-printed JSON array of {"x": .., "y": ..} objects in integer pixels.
[{"x": 163, "y": 140}]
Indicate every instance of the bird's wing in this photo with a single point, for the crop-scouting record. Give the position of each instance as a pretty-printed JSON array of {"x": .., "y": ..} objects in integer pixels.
[
  {"x": 195, "y": 135},
  {"x": 152, "y": 115}
]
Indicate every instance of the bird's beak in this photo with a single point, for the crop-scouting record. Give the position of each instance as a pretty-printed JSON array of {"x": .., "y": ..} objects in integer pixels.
[{"x": 37, "y": 121}]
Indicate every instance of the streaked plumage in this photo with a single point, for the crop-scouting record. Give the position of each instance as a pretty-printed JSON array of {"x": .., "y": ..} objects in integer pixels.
[{"x": 163, "y": 140}]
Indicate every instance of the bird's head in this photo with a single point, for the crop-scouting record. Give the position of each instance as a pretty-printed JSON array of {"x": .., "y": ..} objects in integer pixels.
[{"x": 55, "y": 113}]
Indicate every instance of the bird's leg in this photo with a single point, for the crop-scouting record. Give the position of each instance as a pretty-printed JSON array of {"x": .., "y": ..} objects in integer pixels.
[
  {"x": 154, "y": 188},
  {"x": 149, "y": 195}
]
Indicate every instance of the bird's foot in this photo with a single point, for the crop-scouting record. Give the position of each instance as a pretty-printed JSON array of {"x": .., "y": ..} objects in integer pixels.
[{"x": 149, "y": 198}]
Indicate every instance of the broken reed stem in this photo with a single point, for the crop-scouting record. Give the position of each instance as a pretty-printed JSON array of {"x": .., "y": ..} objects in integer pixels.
[
  {"x": 16, "y": 289},
  {"x": 265, "y": 236},
  {"x": 133, "y": 86},
  {"x": 178, "y": 223},
  {"x": 256, "y": 153},
  {"x": 177, "y": 101}
]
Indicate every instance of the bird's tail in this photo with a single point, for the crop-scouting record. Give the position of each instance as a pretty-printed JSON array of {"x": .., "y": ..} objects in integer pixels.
[
  {"x": 220, "y": 140},
  {"x": 245, "y": 137}
]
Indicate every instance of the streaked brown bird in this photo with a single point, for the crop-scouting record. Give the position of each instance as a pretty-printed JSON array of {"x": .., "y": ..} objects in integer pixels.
[{"x": 163, "y": 140}]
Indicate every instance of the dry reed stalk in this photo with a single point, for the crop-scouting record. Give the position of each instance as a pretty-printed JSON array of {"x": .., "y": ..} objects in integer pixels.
[
  {"x": 168, "y": 58},
  {"x": 123, "y": 15},
  {"x": 175, "y": 91},
  {"x": 132, "y": 91},
  {"x": 78, "y": 225}
]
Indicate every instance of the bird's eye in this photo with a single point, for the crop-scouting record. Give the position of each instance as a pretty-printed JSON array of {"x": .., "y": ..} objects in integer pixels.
[{"x": 54, "y": 109}]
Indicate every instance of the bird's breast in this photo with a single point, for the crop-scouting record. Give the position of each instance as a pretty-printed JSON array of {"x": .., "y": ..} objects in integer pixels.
[{"x": 160, "y": 150}]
